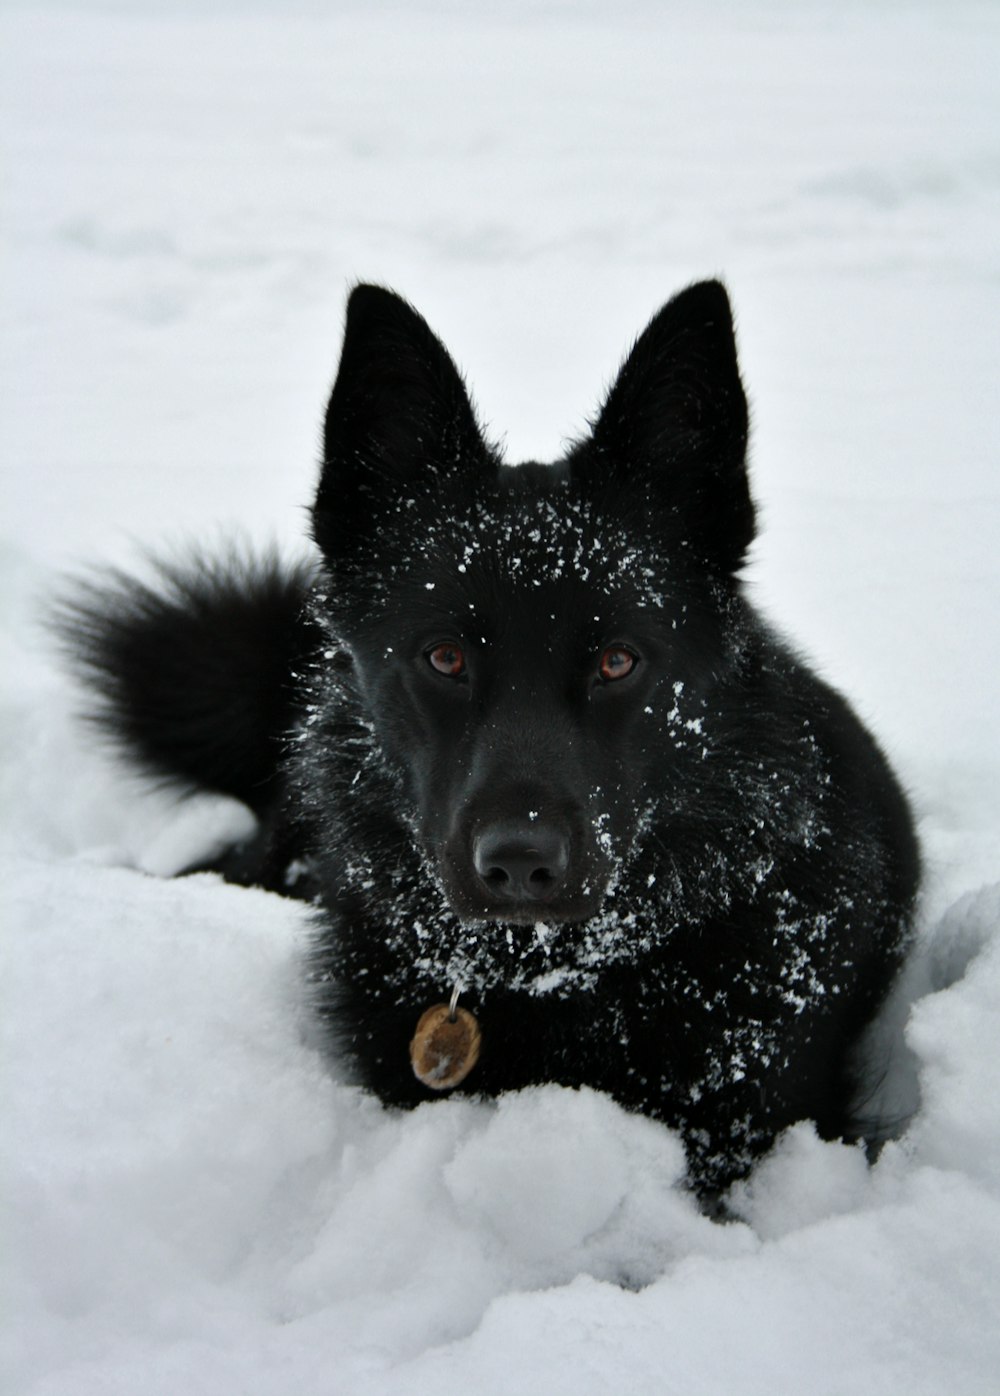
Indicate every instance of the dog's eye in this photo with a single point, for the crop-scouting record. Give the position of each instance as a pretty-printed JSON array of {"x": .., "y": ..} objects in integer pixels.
[
  {"x": 448, "y": 660},
  {"x": 616, "y": 663}
]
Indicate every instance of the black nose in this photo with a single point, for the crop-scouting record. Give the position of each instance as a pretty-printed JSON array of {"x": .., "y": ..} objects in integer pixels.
[{"x": 521, "y": 862}]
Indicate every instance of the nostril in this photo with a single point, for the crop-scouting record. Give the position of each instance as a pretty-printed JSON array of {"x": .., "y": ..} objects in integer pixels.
[{"x": 521, "y": 863}]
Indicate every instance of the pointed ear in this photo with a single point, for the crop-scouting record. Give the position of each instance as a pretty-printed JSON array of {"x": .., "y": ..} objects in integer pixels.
[
  {"x": 675, "y": 425},
  {"x": 398, "y": 419}
]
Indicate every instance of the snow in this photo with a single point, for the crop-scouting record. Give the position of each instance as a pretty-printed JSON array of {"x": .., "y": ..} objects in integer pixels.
[{"x": 192, "y": 1201}]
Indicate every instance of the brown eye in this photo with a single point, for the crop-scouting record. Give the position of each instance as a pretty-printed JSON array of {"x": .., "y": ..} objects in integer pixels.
[
  {"x": 616, "y": 663},
  {"x": 448, "y": 660}
]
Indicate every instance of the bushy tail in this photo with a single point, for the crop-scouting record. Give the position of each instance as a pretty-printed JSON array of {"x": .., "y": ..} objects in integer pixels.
[{"x": 193, "y": 671}]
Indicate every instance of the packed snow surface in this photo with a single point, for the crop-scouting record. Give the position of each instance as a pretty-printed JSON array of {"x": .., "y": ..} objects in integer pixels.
[{"x": 193, "y": 1202}]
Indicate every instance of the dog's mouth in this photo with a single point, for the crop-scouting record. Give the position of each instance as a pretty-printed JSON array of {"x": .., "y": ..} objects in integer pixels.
[
  {"x": 536, "y": 955},
  {"x": 551, "y": 914}
]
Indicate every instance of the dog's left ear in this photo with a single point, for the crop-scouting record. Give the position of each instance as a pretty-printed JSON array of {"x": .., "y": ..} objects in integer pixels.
[
  {"x": 399, "y": 419},
  {"x": 674, "y": 425}
]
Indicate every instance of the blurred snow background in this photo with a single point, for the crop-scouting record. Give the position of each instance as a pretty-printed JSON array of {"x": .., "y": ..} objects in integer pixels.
[{"x": 192, "y": 1202}]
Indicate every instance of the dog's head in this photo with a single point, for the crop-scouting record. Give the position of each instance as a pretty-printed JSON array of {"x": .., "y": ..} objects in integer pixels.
[{"x": 533, "y": 645}]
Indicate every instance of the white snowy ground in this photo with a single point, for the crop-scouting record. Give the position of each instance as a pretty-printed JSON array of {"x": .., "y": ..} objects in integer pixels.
[{"x": 192, "y": 1203}]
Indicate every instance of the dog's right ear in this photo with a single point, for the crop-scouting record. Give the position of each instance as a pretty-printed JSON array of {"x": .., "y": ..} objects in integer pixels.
[{"x": 398, "y": 421}]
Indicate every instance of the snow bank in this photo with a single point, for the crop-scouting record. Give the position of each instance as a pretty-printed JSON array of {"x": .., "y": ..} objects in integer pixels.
[{"x": 194, "y": 1199}]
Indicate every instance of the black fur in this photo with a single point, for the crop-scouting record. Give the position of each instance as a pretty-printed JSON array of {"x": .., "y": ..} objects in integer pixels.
[{"x": 523, "y": 734}]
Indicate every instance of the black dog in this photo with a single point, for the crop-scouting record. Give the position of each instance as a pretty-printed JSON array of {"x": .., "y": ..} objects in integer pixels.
[{"x": 523, "y": 740}]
